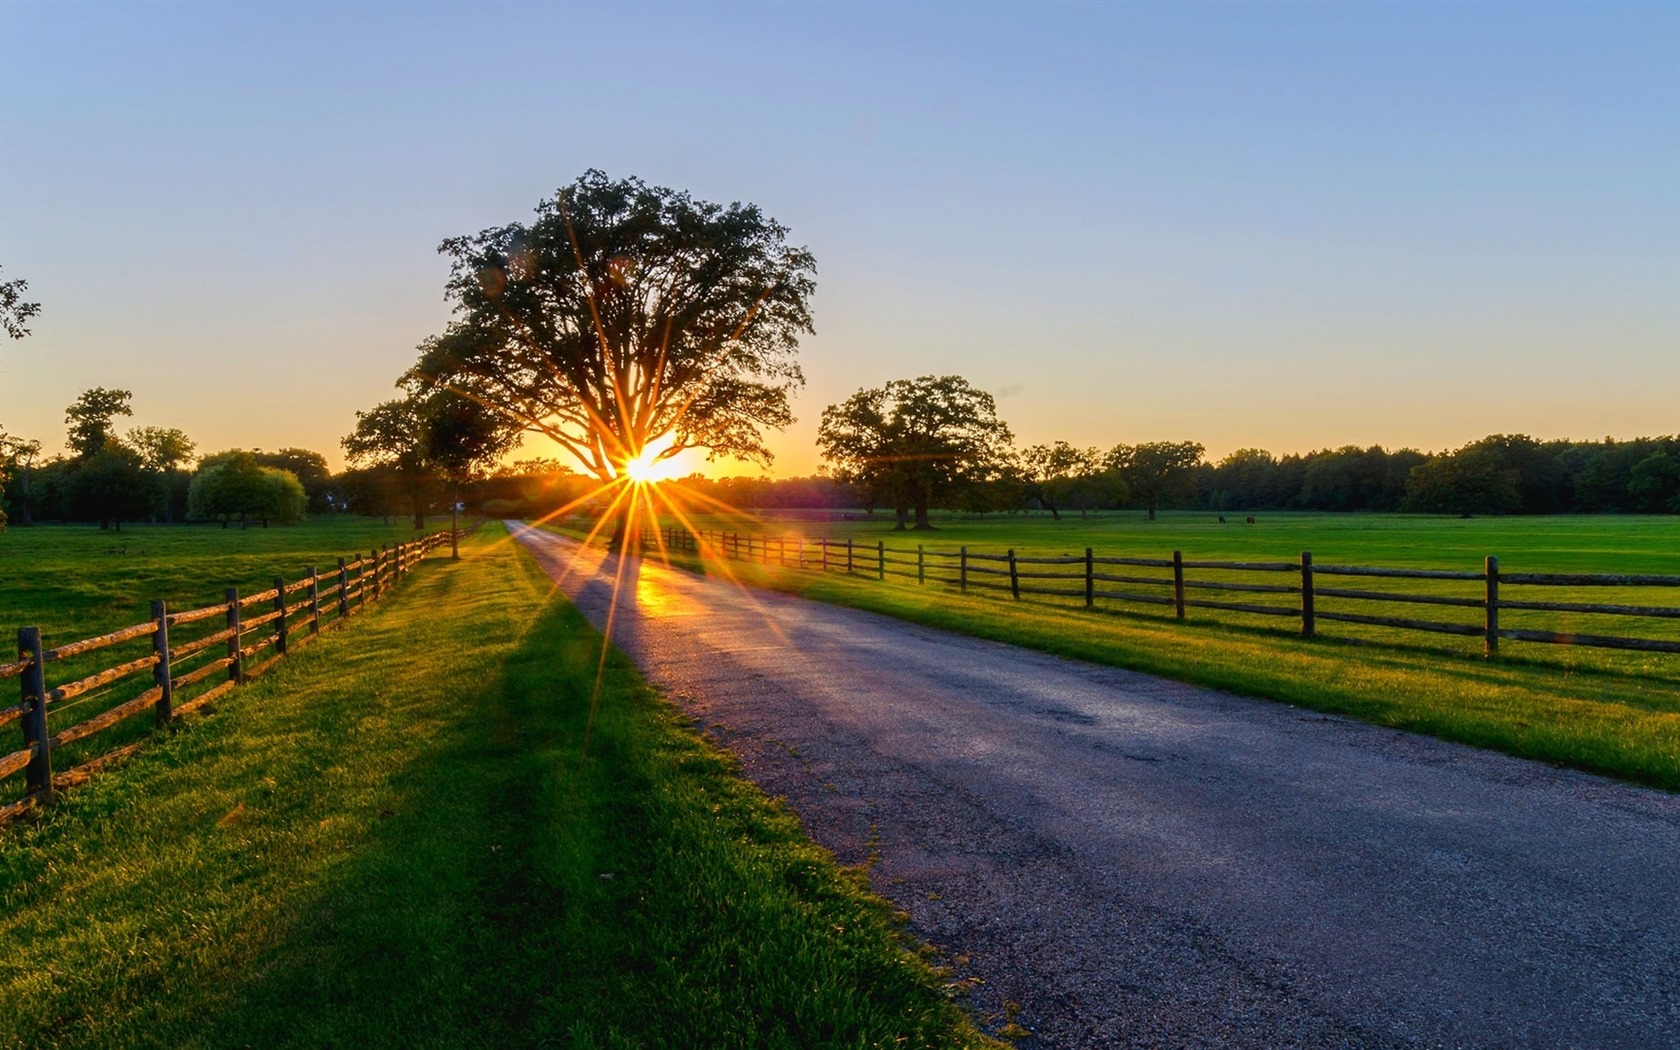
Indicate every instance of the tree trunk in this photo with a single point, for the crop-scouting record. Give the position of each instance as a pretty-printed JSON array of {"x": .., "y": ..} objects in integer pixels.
[
  {"x": 23, "y": 498},
  {"x": 419, "y": 513},
  {"x": 1152, "y": 512},
  {"x": 623, "y": 533},
  {"x": 901, "y": 518},
  {"x": 922, "y": 522}
]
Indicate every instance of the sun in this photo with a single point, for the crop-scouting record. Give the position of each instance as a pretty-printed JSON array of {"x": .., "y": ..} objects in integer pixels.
[{"x": 648, "y": 467}]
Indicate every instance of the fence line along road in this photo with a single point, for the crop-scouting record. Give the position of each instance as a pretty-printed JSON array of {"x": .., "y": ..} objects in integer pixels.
[
  {"x": 1180, "y": 584},
  {"x": 184, "y": 675}
]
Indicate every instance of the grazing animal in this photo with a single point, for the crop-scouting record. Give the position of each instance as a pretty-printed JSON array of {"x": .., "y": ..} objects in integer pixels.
[{"x": 1251, "y": 519}]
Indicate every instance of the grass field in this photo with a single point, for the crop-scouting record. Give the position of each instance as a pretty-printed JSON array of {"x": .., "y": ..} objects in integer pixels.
[
  {"x": 1576, "y": 543},
  {"x": 1610, "y": 712},
  {"x": 397, "y": 839},
  {"x": 75, "y": 581}
]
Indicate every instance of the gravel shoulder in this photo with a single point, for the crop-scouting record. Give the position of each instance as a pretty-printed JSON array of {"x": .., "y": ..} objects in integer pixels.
[{"x": 1112, "y": 859}]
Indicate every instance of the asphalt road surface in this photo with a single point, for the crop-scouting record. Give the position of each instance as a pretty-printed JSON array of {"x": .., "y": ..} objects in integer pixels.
[{"x": 1137, "y": 862}]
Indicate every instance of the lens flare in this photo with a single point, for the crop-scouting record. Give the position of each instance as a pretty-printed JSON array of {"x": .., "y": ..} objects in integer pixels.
[{"x": 652, "y": 465}]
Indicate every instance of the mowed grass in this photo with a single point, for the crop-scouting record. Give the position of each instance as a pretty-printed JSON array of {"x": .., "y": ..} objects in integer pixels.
[
  {"x": 1610, "y": 712},
  {"x": 76, "y": 581},
  {"x": 1572, "y": 543},
  {"x": 398, "y": 839}
]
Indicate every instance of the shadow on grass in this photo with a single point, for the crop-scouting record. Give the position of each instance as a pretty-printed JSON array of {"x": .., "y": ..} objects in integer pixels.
[
  {"x": 447, "y": 925},
  {"x": 515, "y": 890}
]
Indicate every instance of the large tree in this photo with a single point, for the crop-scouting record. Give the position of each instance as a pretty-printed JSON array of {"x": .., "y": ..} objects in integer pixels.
[
  {"x": 309, "y": 467},
  {"x": 461, "y": 438},
  {"x": 627, "y": 316},
  {"x": 14, "y": 310},
  {"x": 1059, "y": 474},
  {"x": 392, "y": 435},
  {"x": 89, "y": 419},
  {"x": 234, "y": 483},
  {"x": 1156, "y": 471},
  {"x": 167, "y": 453},
  {"x": 111, "y": 486},
  {"x": 914, "y": 442}
]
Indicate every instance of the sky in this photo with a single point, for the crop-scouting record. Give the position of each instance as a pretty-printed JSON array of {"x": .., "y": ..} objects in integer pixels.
[{"x": 1254, "y": 226}]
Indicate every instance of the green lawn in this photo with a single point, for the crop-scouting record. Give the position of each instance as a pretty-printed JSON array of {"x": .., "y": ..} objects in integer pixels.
[
  {"x": 76, "y": 581},
  {"x": 397, "y": 839},
  {"x": 1611, "y": 712},
  {"x": 1574, "y": 543}
]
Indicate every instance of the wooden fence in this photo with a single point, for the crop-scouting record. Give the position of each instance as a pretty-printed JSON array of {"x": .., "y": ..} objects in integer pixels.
[
  {"x": 242, "y": 636},
  {"x": 1285, "y": 590}
]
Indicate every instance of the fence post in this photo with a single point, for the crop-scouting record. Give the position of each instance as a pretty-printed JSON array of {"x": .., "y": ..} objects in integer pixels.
[
  {"x": 921, "y": 565},
  {"x": 849, "y": 547},
  {"x": 801, "y": 541},
  {"x": 236, "y": 669},
  {"x": 1014, "y": 577},
  {"x": 962, "y": 569},
  {"x": 160, "y": 670},
  {"x": 280, "y": 621},
  {"x": 1491, "y": 623},
  {"x": 343, "y": 589},
  {"x": 823, "y": 540},
  {"x": 1309, "y": 623},
  {"x": 314, "y": 601},
  {"x": 1090, "y": 579},
  {"x": 1178, "y": 583},
  {"x": 34, "y": 688},
  {"x": 880, "y": 559}
]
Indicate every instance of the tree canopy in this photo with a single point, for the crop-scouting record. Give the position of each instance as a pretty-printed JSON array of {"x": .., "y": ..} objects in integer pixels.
[
  {"x": 1156, "y": 471},
  {"x": 14, "y": 310},
  {"x": 626, "y": 315},
  {"x": 429, "y": 435},
  {"x": 234, "y": 484},
  {"x": 89, "y": 419},
  {"x": 913, "y": 442},
  {"x": 1060, "y": 474}
]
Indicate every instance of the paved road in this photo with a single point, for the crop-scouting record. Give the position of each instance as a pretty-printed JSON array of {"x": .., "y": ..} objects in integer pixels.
[{"x": 1138, "y": 862}]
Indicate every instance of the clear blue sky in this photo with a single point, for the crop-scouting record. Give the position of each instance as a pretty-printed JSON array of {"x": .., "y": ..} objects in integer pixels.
[{"x": 1271, "y": 226}]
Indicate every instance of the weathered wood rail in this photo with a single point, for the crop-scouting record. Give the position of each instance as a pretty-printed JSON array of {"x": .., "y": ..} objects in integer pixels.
[
  {"x": 1223, "y": 587},
  {"x": 185, "y": 675}
]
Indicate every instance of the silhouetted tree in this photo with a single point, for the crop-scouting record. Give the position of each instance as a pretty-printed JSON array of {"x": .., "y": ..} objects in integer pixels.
[
  {"x": 14, "y": 310},
  {"x": 111, "y": 486},
  {"x": 627, "y": 315},
  {"x": 1059, "y": 474},
  {"x": 1156, "y": 471},
  {"x": 913, "y": 442},
  {"x": 89, "y": 419}
]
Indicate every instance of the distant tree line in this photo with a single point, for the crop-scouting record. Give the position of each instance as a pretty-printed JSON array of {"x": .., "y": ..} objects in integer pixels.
[
  {"x": 906, "y": 448},
  {"x": 151, "y": 474},
  {"x": 936, "y": 441}
]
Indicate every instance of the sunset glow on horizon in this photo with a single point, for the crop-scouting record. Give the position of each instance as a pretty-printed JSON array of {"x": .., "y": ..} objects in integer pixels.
[{"x": 1265, "y": 226}]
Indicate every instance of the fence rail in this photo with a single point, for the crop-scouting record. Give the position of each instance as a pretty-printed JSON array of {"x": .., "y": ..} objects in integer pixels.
[
  {"x": 993, "y": 572},
  {"x": 297, "y": 613}
]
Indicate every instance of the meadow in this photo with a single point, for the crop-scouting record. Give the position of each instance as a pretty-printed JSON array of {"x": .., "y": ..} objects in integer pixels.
[
  {"x": 75, "y": 581},
  {"x": 399, "y": 838},
  {"x": 1606, "y": 711}
]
